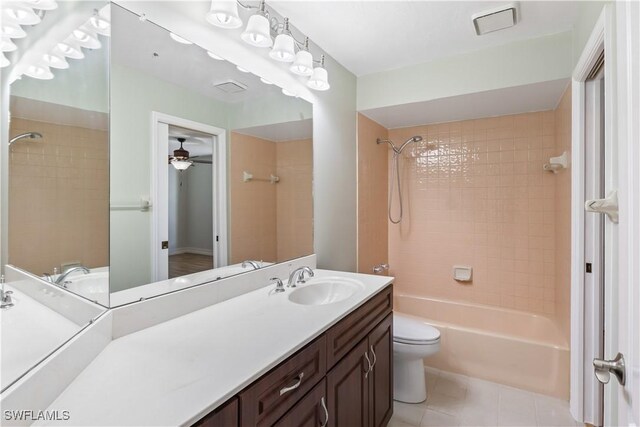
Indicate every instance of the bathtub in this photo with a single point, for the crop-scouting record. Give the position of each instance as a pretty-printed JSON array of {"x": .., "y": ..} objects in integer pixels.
[{"x": 510, "y": 347}]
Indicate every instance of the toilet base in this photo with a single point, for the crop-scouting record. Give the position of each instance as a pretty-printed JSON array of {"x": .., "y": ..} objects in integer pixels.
[{"x": 409, "y": 385}]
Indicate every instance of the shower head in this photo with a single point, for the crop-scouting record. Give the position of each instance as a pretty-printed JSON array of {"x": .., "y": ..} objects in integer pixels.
[
  {"x": 30, "y": 135},
  {"x": 416, "y": 138}
]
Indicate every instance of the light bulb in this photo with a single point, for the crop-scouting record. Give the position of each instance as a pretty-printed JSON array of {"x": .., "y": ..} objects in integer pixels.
[
  {"x": 283, "y": 48},
  {"x": 319, "y": 80},
  {"x": 71, "y": 49},
  {"x": 55, "y": 60},
  {"x": 41, "y": 72},
  {"x": 100, "y": 25},
  {"x": 181, "y": 164},
  {"x": 303, "y": 65},
  {"x": 86, "y": 38},
  {"x": 258, "y": 32},
  {"x": 12, "y": 31},
  {"x": 21, "y": 15},
  {"x": 224, "y": 14}
]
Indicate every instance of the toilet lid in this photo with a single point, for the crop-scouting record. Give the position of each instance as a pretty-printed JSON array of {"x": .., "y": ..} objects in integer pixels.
[{"x": 412, "y": 331}]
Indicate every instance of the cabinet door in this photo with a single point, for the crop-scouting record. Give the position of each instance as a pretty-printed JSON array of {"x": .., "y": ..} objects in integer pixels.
[
  {"x": 381, "y": 376},
  {"x": 225, "y": 416},
  {"x": 311, "y": 411},
  {"x": 348, "y": 389}
]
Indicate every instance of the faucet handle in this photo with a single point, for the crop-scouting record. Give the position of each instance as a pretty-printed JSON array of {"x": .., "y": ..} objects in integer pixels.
[{"x": 279, "y": 284}]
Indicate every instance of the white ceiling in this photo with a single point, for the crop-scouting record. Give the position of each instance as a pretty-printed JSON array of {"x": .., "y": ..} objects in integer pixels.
[
  {"x": 278, "y": 132},
  {"x": 514, "y": 100},
  {"x": 133, "y": 44},
  {"x": 371, "y": 36},
  {"x": 197, "y": 143}
]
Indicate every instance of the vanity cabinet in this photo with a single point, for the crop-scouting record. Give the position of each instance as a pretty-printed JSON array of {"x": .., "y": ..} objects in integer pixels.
[{"x": 344, "y": 378}]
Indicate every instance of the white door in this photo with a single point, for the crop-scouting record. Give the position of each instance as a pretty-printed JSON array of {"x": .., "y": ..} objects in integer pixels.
[
  {"x": 162, "y": 204},
  {"x": 622, "y": 300}
]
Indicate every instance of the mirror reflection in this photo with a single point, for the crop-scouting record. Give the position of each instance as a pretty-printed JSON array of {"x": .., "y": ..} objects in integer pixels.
[
  {"x": 211, "y": 166},
  {"x": 55, "y": 176}
]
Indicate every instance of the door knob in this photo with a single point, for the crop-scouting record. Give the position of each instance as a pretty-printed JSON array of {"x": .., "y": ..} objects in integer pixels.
[
  {"x": 607, "y": 206},
  {"x": 604, "y": 369}
]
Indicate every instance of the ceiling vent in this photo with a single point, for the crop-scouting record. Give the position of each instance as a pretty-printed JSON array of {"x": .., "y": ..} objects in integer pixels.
[
  {"x": 231, "y": 86},
  {"x": 495, "y": 19}
]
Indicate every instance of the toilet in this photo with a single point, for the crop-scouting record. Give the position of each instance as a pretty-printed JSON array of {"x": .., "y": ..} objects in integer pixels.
[{"x": 413, "y": 340}]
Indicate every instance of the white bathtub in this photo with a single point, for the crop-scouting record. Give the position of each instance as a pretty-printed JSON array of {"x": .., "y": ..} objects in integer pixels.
[{"x": 510, "y": 347}]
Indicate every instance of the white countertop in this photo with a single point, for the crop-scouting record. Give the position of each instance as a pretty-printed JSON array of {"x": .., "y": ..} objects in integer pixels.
[
  {"x": 30, "y": 331},
  {"x": 176, "y": 372}
]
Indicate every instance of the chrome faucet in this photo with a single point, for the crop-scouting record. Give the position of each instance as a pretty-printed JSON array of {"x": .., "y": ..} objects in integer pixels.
[
  {"x": 60, "y": 280},
  {"x": 253, "y": 264},
  {"x": 279, "y": 285},
  {"x": 297, "y": 276},
  {"x": 5, "y": 296}
]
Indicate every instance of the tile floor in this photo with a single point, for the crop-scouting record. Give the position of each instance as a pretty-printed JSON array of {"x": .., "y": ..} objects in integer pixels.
[{"x": 457, "y": 400}]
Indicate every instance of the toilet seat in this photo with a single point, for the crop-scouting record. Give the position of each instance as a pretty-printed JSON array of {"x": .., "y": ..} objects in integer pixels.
[{"x": 407, "y": 330}]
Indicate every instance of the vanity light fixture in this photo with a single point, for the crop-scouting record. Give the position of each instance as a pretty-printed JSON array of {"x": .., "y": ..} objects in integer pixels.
[
  {"x": 12, "y": 30},
  {"x": 179, "y": 39},
  {"x": 284, "y": 46},
  {"x": 41, "y": 72},
  {"x": 258, "y": 31},
  {"x": 4, "y": 62},
  {"x": 71, "y": 49},
  {"x": 319, "y": 79},
  {"x": 214, "y": 56},
  {"x": 224, "y": 14},
  {"x": 86, "y": 38},
  {"x": 42, "y": 4},
  {"x": 303, "y": 64},
  {"x": 55, "y": 60},
  {"x": 6, "y": 45},
  {"x": 20, "y": 14}
]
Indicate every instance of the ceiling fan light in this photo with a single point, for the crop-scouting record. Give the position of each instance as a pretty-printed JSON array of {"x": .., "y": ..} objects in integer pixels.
[
  {"x": 224, "y": 14},
  {"x": 258, "y": 32},
  {"x": 181, "y": 164},
  {"x": 303, "y": 64},
  {"x": 283, "y": 48}
]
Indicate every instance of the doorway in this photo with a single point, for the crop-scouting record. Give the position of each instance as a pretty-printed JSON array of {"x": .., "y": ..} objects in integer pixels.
[{"x": 189, "y": 231}]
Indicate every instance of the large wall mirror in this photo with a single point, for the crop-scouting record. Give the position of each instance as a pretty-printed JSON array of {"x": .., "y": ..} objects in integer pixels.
[
  {"x": 211, "y": 166},
  {"x": 55, "y": 175}
]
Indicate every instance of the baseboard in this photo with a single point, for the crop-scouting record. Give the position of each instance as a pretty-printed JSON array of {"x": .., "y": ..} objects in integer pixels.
[{"x": 188, "y": 250}]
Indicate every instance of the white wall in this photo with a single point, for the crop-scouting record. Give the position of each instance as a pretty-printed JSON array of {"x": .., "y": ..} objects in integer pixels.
[
  {"x": 514, "y": 64},
  {"x": 334, "y": 123}
]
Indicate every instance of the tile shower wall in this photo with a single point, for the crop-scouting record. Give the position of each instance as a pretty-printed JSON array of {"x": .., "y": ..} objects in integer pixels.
[
  {"x": 476, "y": 195},
  {"x": 271, "y": 222},
  {"x": 372, "y": 195},
  {"x": 58, "y": 197},
  {"x": 563, "y": 216}
]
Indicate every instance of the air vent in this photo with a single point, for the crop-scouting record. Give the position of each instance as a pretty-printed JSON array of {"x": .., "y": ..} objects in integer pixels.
[
  {"x": 495, "y": 19},
  {"x": 231, "y": 86}
]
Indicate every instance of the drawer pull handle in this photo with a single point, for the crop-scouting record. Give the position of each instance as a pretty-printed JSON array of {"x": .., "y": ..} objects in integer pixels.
[
  {"x": 293, "y": 387},
  {"x": 366, "y": 373},
  {"x": 375, "y": 359},
  {"x": 326, "y": 412}
]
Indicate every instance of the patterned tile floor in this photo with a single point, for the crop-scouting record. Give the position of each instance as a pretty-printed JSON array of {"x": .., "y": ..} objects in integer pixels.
[{"x": 457, "y": 400}]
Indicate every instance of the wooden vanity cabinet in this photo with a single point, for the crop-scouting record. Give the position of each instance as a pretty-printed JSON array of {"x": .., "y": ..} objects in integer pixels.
[{"x": 344, "y": 378}]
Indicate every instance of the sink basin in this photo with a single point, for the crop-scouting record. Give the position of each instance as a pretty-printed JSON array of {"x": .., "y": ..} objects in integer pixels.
[{"x": 325, "y": 290}]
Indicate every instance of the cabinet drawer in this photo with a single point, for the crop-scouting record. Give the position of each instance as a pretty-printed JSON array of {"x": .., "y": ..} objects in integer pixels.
[
  {"x": 264, "y": 402},
  {"x": 311, "y": 411},
  {"x": 349, "y": 331}
]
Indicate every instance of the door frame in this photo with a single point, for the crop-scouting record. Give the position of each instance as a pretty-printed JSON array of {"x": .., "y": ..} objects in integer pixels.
[
  {"x": 159, "y": 150},
  {"x": 586, "y": 336}
]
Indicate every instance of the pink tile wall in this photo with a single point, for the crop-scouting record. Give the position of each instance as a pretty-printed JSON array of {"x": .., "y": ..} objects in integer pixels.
[
  {"x": 476, "y": 194},
  {"x": 563, "y": 216},
  {"x": 372, "y": 195}
]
